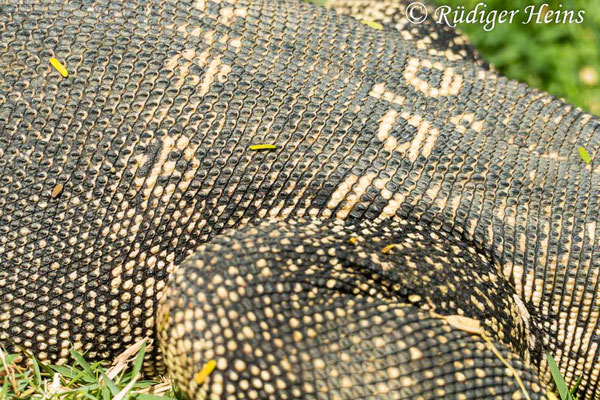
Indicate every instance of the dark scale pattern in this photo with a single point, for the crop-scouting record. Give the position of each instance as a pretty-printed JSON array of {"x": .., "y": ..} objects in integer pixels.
[
  {"x": 437, "y": 38},
  {"x": 322, "y": 310},
  {"x": 111, "y": 177}
]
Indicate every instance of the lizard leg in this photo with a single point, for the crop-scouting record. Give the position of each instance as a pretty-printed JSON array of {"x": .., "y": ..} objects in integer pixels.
[{"x": 311, "y": 309}]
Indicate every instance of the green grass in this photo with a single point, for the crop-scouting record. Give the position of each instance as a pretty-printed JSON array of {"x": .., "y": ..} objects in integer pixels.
[
  {"x": 81, "y": 380},
  {"x": 562, "y": 59},
  {"x": 563, "y": 390},
  {"x": 120, "y": 381}
]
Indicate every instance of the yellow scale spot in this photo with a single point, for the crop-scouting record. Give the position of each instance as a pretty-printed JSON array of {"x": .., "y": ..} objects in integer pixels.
[
  {"x": 352, "y": 240},
  {"x": 414, "y": 298},
  {"x": 205, "y": 372},
  {"x": 59, "y": 67},
  {"x": 551, "y": 396},
  {"x": 263, "y": 147},
  {"x": 372, "y": 24}
]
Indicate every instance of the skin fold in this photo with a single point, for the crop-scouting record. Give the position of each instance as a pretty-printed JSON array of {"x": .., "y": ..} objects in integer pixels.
[{"x": 137, "y": 166}]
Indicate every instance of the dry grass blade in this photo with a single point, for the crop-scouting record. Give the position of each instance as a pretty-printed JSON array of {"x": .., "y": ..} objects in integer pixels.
[
  {"x": 82, "y": 380},
  {"x": 508, "y": 365},
  {"x": 473, "y": 326},
  {"x": 10, "y": 371},
  {"x": 160, "y": 388},
  {"x": 125, "y": 391},
  {"x": 465, "y": 324},
  {"x": 125, "y": 358}
]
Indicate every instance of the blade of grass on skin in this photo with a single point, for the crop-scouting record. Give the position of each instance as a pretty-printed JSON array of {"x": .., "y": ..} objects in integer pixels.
[
  {"x": 139, "y": 361},
  {"x": 575, "y": 386},
  {"x": 561, "y": 385}
]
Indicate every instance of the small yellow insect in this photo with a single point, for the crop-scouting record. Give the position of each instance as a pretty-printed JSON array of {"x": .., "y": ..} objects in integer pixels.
[
  {"x": 205, "y": 372},
  {"x": 263, "y": 147},
  {"x": 372, "y": 24},
  {"x": 59, "y": 67}
]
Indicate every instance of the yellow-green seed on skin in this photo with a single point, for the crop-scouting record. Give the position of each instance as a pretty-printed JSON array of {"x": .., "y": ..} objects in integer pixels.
[
  {"x": 387, "y": 249},
  {"x": 372, "y": 24},
  {"x": 205, "y": 372},
  {"x": 59, "y": 67},
  {"x": 57, "y": 190},
  {"x": 585, "y": 156},
  {"x": 263, "y": 147}
]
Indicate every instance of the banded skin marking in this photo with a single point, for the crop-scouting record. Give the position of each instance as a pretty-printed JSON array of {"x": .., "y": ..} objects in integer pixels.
[
  {"x": 451, "y": 83},
  {"x": 436, "y": 39}
]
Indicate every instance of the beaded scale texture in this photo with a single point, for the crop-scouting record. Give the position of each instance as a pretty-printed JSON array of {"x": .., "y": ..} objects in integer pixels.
[{"x": 409, "y": 187}]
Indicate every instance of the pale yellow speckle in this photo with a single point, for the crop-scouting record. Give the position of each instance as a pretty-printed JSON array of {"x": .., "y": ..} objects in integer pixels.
[{"x": 415, "y": 353}]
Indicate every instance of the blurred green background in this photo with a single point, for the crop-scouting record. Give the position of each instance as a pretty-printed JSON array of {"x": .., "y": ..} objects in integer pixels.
[{"x": 562, "y": 59}]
